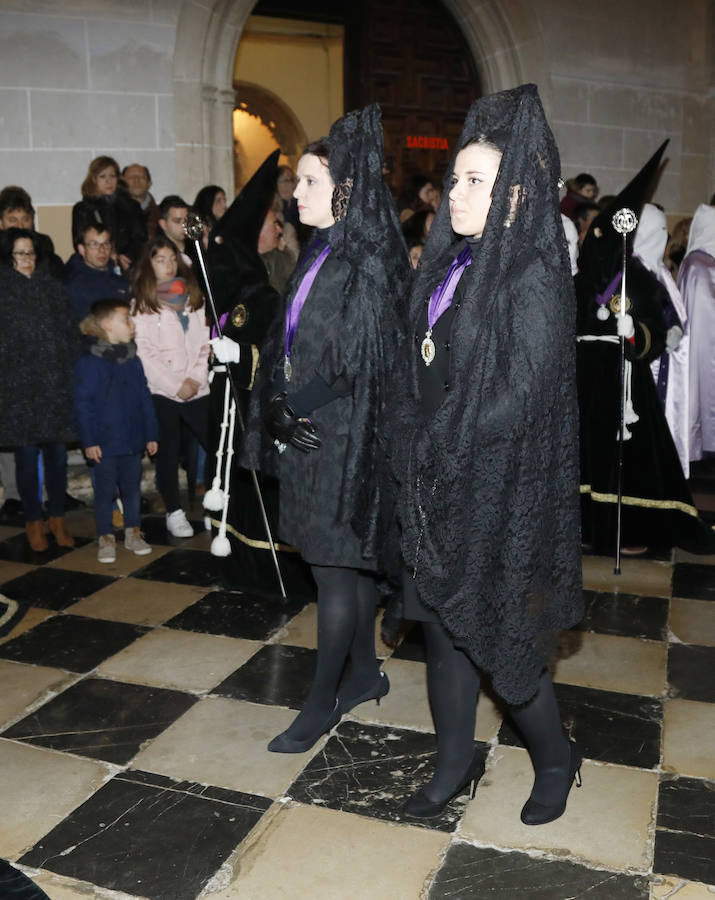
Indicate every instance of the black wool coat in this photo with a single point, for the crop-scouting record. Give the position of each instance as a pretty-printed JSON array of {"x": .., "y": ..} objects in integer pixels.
[
  {"x": 312, "y": 484},
  {"x": 39, "y": 343}
]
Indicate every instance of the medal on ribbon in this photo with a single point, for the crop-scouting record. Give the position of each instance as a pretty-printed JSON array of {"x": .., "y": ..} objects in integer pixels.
[{"x": 441, "y": 300}]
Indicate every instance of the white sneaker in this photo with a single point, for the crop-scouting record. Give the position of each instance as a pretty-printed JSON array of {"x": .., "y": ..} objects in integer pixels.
[
  {"x": 107, "y": 552},
  {"x": 178, "y": 525},
  {"x": 134, "y": 541}
]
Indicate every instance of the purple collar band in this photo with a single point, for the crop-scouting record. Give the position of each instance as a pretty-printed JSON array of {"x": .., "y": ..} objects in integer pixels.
[{"x": 441, "y": 298}]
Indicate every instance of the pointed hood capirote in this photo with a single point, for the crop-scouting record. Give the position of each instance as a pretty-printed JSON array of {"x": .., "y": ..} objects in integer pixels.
[
  {"x": 601, "y": 255},
  {"x": 243, "y": 220},
  {"x": 488, "y": 482},
  {"x": 235, "y": 268}
]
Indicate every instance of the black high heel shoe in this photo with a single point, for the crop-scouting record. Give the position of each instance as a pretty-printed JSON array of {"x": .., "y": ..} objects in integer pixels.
[
  {"x": 535, "y": 813},
  {"x": 283, "y": 743},
  {"x": 419, "y": 806},
  {"x": 375, "y": 692}
]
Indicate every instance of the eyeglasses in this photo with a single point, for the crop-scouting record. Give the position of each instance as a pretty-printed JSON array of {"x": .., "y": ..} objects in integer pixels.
[
  {"x": 99, "y": 245},
  {"x": 24, "y": 254}
]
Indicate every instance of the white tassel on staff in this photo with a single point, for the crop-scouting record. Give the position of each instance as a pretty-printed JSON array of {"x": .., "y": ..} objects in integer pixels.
[
  {"x": 220, "y": 545},
  {"x": 213, "y": 499}
]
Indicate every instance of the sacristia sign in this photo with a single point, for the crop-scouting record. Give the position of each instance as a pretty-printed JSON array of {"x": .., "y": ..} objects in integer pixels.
[{"x": 425, "y": 142}]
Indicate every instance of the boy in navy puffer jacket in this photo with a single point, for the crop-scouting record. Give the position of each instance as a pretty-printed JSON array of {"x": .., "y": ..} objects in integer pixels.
[{"x": 116, "y": 421}]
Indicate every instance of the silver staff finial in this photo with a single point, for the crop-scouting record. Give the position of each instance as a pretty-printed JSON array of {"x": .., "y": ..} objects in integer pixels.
[
  {"x": 194, "y": 226},
  {"x": 625, "y": 221}
]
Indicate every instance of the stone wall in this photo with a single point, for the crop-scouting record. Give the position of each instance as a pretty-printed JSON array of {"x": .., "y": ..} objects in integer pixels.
[{"x": 151, "y": 81}]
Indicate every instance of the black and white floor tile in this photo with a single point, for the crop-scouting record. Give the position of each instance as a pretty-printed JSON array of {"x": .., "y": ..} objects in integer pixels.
[{"x": 128, "y": 780}]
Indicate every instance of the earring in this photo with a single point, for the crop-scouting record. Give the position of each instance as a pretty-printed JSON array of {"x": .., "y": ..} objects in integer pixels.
[{"x": 341, "y": 198}]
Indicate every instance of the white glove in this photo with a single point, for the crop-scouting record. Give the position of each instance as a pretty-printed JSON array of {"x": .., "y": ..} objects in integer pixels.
[
  {"x": 625, "y": 326},
  {"x": 673, "y": 337},
  {"x": 225, "y": 350}
]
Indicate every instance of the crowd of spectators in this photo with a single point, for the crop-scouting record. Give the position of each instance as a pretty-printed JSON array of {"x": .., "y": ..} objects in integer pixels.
[{"x": 131, "y": 252}]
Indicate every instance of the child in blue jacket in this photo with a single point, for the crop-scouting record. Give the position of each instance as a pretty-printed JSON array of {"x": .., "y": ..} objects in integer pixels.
[{"x": 116, "y": 421}]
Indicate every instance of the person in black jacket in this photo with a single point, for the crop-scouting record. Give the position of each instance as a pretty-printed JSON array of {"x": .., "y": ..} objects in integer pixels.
[
  {"x": 320, "y": 389},
  {"x": 17, "y": 211},
  {"x": 36, "y": 412},
  {"x": 116, "y": 421},
  {"x": 108, "y": 206}
]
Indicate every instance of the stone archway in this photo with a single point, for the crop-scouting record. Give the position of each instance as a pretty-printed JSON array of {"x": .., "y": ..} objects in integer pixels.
[{"x": 503, "y": 35}]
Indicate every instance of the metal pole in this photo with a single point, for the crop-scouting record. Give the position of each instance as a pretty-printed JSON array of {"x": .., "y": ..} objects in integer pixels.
[
  {"x": 624, "y": 222},
  {"x": 192, "y": 226}
]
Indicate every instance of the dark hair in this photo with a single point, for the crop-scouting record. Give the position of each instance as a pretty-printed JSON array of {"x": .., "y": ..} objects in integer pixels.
[
  {"x": 144, "y": 283},
  {"x": 605, "y": 200},
  {"x": 281, "y": 169},
  {"x": 410, "y": 196},
  {"x": 98, "y": 312},
  {"x": 13, "y": 197},
  {"x": 583, "y": 179},
  {"x": 320, "y": 148},
  {"x": 414, "y": 228},
  {"x": 89, "y": 185},
  {"x": 92, "y": 226},
  {"x": 7, "y": 242},
  {"x": 141, "y": 166},
  {"x": 172, "y": 201},
  {"x": 582, "y": 209},
  {"x": 204, "y": 202}
]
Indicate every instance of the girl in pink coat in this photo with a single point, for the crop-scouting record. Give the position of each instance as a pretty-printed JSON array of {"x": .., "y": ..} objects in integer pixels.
[{"x": 173, "y": 344}]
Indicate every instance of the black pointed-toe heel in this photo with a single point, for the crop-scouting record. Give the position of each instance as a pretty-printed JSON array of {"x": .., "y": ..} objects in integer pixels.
[
  {"x": 419, "y": 806},
  {"x": 535, "y": 813},
  {"x": 283, "y": 743},
  {"x": 375, "y": 692}
]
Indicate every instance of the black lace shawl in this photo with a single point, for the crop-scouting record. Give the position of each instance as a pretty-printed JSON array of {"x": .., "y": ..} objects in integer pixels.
[
  {"x": 363, "y": 348},
  {"x": 488, "y": 485}
]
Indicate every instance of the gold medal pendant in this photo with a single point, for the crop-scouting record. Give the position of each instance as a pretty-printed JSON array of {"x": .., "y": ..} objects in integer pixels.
[
  {"x": 287, "y": 369},
  {"x": 428, "y": 349}
]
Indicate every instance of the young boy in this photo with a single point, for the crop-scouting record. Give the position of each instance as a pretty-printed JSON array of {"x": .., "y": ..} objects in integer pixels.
[{"x": 116, "y": 420}]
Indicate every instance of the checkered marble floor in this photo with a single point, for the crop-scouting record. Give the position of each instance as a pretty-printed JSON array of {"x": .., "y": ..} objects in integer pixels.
[{"x": 138, "y": 698}]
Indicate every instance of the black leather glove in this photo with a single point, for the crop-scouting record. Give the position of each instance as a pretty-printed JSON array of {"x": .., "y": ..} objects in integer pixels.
[{"x": 286, "y": 428}]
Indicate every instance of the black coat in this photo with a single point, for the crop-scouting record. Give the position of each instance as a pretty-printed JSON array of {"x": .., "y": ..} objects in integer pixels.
[
  {"x": 311, "y": 484},
  {"x": 120, "y": 215},
  {"x": 39, "y": 343}
]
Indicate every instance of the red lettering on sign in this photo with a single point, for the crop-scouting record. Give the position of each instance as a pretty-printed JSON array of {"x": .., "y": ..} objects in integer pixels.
[{"x": 424, "y": 142}]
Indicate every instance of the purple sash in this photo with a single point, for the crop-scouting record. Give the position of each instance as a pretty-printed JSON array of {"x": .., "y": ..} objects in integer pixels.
[
  {"x": 298, "y": 301},
  {"x": 441, "y": 298}
]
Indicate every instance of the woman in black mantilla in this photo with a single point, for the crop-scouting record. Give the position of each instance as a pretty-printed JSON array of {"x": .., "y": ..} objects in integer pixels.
[
  {"x": 484, "y": 435},
  {"x": 322, "y": 382}
]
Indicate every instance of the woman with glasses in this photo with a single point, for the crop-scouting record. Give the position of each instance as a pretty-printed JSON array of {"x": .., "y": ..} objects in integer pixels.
[{"x": 39, "y": 342}]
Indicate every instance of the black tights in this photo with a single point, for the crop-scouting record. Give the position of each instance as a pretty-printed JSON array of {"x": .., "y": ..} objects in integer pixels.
[
  {"x": 346, "y": 629},
  {"x": 453, "y": 687}
]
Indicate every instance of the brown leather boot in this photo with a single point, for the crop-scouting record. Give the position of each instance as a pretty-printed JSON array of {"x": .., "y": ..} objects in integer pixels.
[
  {"x": 58, "y": 527},
  {"x": 36, "y": 535}
]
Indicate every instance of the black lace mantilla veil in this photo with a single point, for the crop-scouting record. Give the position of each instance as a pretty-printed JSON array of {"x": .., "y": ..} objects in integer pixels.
[
  {"x": 368, "y": 236},
  {"x": 488, "y": 496}
]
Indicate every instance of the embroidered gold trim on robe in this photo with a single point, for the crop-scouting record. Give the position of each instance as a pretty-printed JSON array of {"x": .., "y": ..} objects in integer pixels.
[
  {"x": 257, "y": 545},
  {"x": 645, "y": 502}
]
